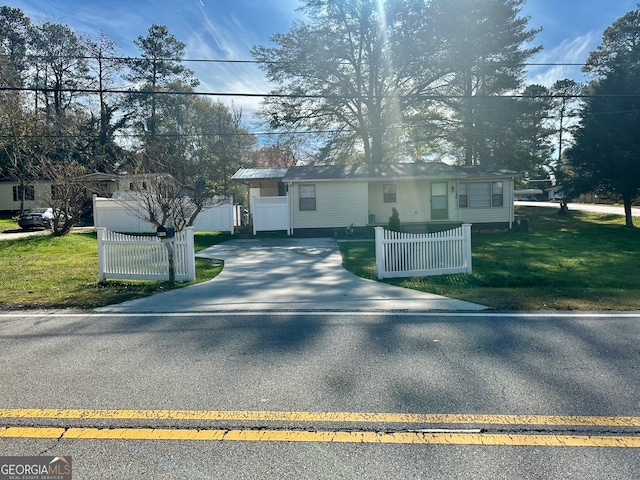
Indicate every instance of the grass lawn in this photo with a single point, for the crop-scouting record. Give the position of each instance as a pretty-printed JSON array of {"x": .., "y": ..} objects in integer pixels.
[
  {"x": 62, "y": 272},
  {"x": 581, "y": 261},
  {"x": 7, "y": 223}
]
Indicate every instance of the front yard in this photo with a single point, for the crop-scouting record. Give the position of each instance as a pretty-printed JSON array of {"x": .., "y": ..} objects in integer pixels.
[
  {"x": 62, "y": 272},
  {"x": 581, "y": 261}
]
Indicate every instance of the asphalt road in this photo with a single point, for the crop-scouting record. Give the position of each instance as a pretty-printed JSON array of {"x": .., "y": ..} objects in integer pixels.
[{"x": 317, "y": 395}]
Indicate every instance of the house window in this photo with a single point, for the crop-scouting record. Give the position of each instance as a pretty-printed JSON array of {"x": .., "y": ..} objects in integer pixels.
[
  {"x": 439, "y": 201},
  {"x": 23, "y": 192},
  {"x": 307, "y": 197},
  {"x": 497, "y": 197},
  {"x": 137, "y": 187},
  {"x": 480, "y": 194},
  {"x": 463, "y": 195},
  {"x": 389, "y": 193}
]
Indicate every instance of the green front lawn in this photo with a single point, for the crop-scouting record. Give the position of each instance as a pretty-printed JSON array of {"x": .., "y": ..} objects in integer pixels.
[
  {"x": 7, "y": 223},
  {"x": 580, "y": 261},
  {"x": 62, "y": 272}
]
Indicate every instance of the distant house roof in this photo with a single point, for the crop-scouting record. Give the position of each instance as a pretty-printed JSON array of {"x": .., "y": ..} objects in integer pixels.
[
  {"x": 99, "y": 177},
  {"x": 259, "y": 173},
  {"x": 392, "y": 171}
]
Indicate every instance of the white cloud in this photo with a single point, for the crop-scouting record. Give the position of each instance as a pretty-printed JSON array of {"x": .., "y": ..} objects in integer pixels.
[{"x": 565, "y": 60}]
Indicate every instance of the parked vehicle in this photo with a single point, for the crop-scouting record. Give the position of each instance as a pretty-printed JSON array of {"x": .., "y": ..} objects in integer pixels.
[{"x": 36, "y": 218}]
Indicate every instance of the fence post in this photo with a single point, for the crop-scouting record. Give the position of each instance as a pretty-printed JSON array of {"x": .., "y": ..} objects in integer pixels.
[
  {"x": 232, "y": 230},
  {"x": 191, "y": 255},
  {"x": 379, "y": 252},
  {"x": 97, "y": 217},
  {"x": 252, "y": 215},
  {"x": 101, "y": 254},
  {"x": 466, "y": 230}
]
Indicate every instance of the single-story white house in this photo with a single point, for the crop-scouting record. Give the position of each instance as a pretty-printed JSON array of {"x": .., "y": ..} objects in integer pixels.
[{"x": 317, "y": 200}]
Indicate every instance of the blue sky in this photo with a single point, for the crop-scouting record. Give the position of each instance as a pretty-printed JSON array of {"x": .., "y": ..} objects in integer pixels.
[{"x": 228, "y": 29}]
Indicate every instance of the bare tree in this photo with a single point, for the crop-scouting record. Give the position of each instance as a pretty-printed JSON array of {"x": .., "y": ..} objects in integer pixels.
[{"x": 68, "y": 189}]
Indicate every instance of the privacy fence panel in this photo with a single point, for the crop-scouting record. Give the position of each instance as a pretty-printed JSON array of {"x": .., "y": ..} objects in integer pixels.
[
  {"x": 416, "y": 255},
  {"x": 270, "y": 213},
  {"x": 134, "y": 257},
  {"x": 120, "y": 215}
]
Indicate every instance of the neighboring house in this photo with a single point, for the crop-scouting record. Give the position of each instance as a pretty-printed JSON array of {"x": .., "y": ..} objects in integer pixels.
[
  {"x": 39, "y": 193},
  {"x": 14, "y": 196},
  {"x": 321, "y": 199}
]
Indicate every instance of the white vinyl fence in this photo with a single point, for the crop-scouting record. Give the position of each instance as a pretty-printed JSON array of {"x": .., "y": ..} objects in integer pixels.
[
  {"x": 134, "y": 257},
  {"x": 118, "y": 215},
  {"x": 417, "y": 255},
  {"x": 270, "y": 213}
]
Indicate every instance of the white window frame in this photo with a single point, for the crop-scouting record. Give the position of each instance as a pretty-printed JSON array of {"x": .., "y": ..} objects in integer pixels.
[
  {"x": 307, "y": 197},
  {"x": 489, "y": 194},
  {"x": 389, "y": 191}
]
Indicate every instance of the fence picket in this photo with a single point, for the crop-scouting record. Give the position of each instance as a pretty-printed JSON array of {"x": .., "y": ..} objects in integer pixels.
[{"x": 404, "y": 254}]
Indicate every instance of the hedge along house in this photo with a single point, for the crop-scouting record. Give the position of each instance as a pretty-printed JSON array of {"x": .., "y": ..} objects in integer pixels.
[{"x": 321, "y": 200}]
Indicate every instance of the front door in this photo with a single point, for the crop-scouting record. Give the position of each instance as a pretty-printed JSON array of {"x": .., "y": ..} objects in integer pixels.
[{"x": 439, "y": 201}]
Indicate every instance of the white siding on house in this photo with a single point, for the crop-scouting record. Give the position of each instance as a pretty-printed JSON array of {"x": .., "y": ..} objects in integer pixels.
[
  {"x": 484, "y": 215},
  {"x": 413, "y": 201},
  {"x": 502, "y": 214},
  {"x": 338, "y": 204},
  {"x": 267, "y": 190},
  {"x": 42, "y": 196}
]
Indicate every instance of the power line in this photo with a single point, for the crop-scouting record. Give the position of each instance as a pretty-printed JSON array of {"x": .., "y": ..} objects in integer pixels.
[
  {"x": 130, "y": 59},
  {"x": 309, "y": 96}
]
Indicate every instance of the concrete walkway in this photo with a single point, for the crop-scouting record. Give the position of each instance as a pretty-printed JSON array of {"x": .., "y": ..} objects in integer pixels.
[{"x": 287, "y": 275}]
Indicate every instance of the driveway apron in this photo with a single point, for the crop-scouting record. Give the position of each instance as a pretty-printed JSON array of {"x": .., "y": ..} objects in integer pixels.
[{"x": 287, "y": 275}]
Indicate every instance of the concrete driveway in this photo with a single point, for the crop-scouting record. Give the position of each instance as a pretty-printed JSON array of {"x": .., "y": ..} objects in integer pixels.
[{"x": 287, "y": 275}]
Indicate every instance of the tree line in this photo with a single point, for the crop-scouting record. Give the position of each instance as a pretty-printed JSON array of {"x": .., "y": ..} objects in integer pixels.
[
  {"x": 426, "y": 80},
  {"x": 173, "y": 146},
  {"x": 420, "y": 80},
  {"x": 357, "y": 81}
]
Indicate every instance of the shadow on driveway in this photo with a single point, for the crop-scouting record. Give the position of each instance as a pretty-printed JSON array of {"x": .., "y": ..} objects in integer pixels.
[{"x": 287, "y": 275}]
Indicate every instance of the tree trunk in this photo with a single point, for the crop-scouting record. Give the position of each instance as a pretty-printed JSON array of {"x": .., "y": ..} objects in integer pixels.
[
  {"x": 627, "y": 212},
  {"x": 468, "y": 121},
  {"x": 377, "y": 150}
]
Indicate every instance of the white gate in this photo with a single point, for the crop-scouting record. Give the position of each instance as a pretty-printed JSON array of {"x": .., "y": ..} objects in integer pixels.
[
  {"x": 270, "y": 213},
  {"x": 417, "y": 255}
]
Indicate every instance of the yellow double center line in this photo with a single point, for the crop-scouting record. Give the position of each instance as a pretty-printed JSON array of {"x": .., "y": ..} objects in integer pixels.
[{"x": 428, "y": 427}]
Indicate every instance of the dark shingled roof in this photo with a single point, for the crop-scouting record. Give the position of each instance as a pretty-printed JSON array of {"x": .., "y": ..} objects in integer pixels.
[
  {"x": 391, "y": 171},
  {"x": 372, "y": 172}
]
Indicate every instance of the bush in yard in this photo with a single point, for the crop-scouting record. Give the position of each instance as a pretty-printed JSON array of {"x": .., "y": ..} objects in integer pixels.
[{"x": 394, "y": 221}]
